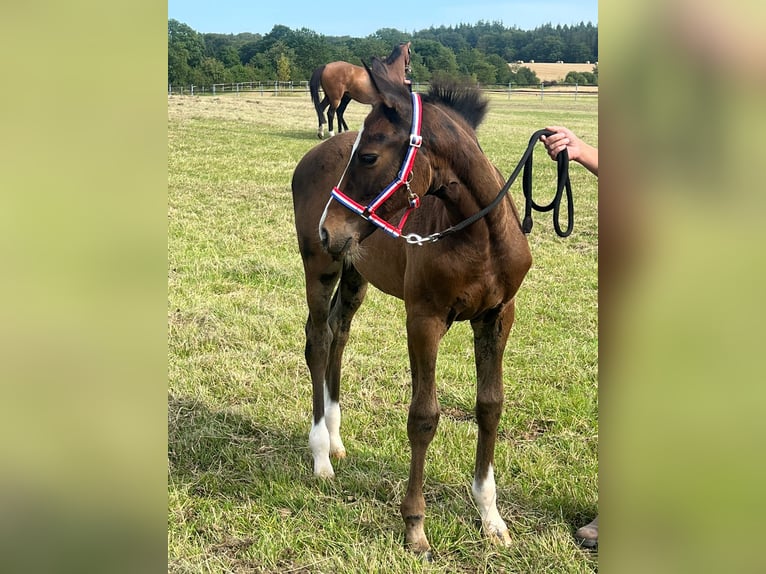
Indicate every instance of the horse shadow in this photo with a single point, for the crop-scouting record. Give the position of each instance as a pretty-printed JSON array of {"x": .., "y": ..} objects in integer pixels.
[
  {"x": 224, "y": 455},
  {"x": 227, "y": 455},
  {"x": 301, "y": 135},
  {"x": 551, "y": 505},
  {"x": 216, "y": 453}
]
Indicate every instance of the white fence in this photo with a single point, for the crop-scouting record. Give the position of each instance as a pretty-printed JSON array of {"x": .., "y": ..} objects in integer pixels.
[
  {"x": 287, "y": 88},
  {"x": 272, "y": 88}
]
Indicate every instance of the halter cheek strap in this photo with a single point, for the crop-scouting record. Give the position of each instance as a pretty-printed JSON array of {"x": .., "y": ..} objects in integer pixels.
[{"x": 402, "y": 179}]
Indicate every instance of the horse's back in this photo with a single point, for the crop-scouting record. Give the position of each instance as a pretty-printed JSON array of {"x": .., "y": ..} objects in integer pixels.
[
  {"x": 341, "y": 77},
  {"x": 321, "y": 167}
]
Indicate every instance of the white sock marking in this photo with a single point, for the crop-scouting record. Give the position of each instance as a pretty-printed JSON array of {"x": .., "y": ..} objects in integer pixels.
[
  {"x": 485, "y": 495},
  {"x": 332, "y": 419},
  {"x": 319, "y": 441}
]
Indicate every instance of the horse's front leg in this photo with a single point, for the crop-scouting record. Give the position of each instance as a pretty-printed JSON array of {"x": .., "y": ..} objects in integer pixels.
[
  {"x": 347, "y": 300},
  {"x": 490, "y": 337},
  {"x": 423, "y": 337},
  {"x": 321, "y": 278}
]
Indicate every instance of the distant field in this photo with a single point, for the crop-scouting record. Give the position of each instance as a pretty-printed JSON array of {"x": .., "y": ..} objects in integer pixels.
[{"x": 551, "y": 71}]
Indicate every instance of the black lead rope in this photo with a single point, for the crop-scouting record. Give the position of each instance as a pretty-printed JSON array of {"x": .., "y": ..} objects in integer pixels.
[{"x": 562, "y": 183}]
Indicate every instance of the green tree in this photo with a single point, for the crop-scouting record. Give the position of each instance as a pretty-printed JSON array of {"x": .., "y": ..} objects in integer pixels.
[
  {"x": 473, "y": 64},
  {"x": 213, "y": 71},
  {"x": 240, "y": 73},
  {"x": 283, "y": 68},
  {"x": 249, "y": 49},
  {"x": 310, "y": 50},
  {"x": 437, "y": 58},
  {"x": 574, "y": 78},
  {"x": 185, "y": 51},
  {"x": 502, "y": 69},
  {"x": 229, "y": 56},
  {"x": 263, "y": 69},
  {"x": 524, "y": 76},
  {"x": 480, "y": 51}
]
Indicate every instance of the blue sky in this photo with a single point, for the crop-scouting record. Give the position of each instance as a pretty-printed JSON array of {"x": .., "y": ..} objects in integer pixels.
[{"x": 362, "y": 18}]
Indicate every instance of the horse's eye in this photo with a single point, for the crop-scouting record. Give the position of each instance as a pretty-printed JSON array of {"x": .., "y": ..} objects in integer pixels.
[{"x": 368, "y": 158}]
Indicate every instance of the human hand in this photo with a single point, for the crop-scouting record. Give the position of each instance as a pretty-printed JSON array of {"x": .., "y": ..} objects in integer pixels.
[
  {"x": 578, "y": 150},
  {"x": 563, "y": 138}
]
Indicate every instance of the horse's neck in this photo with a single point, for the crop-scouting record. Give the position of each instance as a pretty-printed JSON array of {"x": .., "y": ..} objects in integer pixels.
[
  {"x": 471, "y": 185},
  {"x": 464, "y": 200}
]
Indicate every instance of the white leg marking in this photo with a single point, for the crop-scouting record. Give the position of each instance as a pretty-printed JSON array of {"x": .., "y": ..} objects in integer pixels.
[
  {"x": 331, "y": 133},
  {"x": 332, "y": 419},
  {"x": 485, "y": 495},
  {"x": 319, "y": 441}
]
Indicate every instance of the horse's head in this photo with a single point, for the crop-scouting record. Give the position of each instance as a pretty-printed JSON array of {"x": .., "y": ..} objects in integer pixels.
[
  {"x": 385, "y": 174},
  {"x": 398, "y": 62}
]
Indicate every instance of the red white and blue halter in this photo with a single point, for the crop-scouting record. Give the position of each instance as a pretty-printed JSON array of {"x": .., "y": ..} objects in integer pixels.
[{"x": 403, "y": 179}]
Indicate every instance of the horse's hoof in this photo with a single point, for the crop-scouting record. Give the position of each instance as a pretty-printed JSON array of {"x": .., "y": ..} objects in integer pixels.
[
  {"x": 426, "y": 556},
  {"x": 501, "y": 538},
  {"x": 339, "y": 454},
  {"x": 323, "y": 469},
  {"x": 587, "y": 535}
]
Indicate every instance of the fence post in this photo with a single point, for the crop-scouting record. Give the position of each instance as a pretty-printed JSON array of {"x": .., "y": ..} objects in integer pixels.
[
  {"x": 510, "y": 89},
  {"x": 192, "y": 89},
  {"x": 541, "y": 91},
  {"x": 576, "y": 88}
]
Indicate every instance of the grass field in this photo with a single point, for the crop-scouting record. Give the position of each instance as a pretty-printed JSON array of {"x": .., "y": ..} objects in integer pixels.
[{"x": 241, "y": 494}]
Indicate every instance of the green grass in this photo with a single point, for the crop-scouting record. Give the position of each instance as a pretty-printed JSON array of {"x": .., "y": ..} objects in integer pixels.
[{"x": 242, "y": 497}]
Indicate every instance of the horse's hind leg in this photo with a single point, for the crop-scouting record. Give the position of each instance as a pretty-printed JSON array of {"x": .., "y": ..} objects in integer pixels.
[
  {"x": 326, "y": 336},
  {"x": 320, "y": 113},
  {"x": 490, "y": 337},
  {"x": 342, "y": 125},
  {"x": 330, "y": 117}
]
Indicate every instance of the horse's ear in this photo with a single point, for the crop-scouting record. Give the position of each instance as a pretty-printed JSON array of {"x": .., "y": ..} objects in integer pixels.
[{"x": 392, "y": 94}]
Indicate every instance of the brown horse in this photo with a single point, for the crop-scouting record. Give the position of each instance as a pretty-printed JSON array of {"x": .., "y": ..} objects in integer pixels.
[
  {"x": 343, "y": 82},
  {"x": 472, "y": 275}
]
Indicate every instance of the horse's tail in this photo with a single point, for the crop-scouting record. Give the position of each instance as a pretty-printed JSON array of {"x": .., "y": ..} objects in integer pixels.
[{"x": 314, "y": 83}]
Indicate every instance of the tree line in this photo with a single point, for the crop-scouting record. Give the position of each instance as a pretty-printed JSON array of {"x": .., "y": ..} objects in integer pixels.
[{"x": 478, "y": 52}]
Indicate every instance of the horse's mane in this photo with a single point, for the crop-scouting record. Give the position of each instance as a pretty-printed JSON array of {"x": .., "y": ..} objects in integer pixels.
[{"x": 466, "y": 99}]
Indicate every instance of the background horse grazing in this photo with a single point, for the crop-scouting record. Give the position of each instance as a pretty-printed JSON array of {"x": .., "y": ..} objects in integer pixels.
[
  {"x": 342, "y": 82},
  {"x": 472, "y": 275}
]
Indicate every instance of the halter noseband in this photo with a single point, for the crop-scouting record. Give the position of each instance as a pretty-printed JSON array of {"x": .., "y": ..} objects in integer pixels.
[{"x": 403, "y": 179}]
